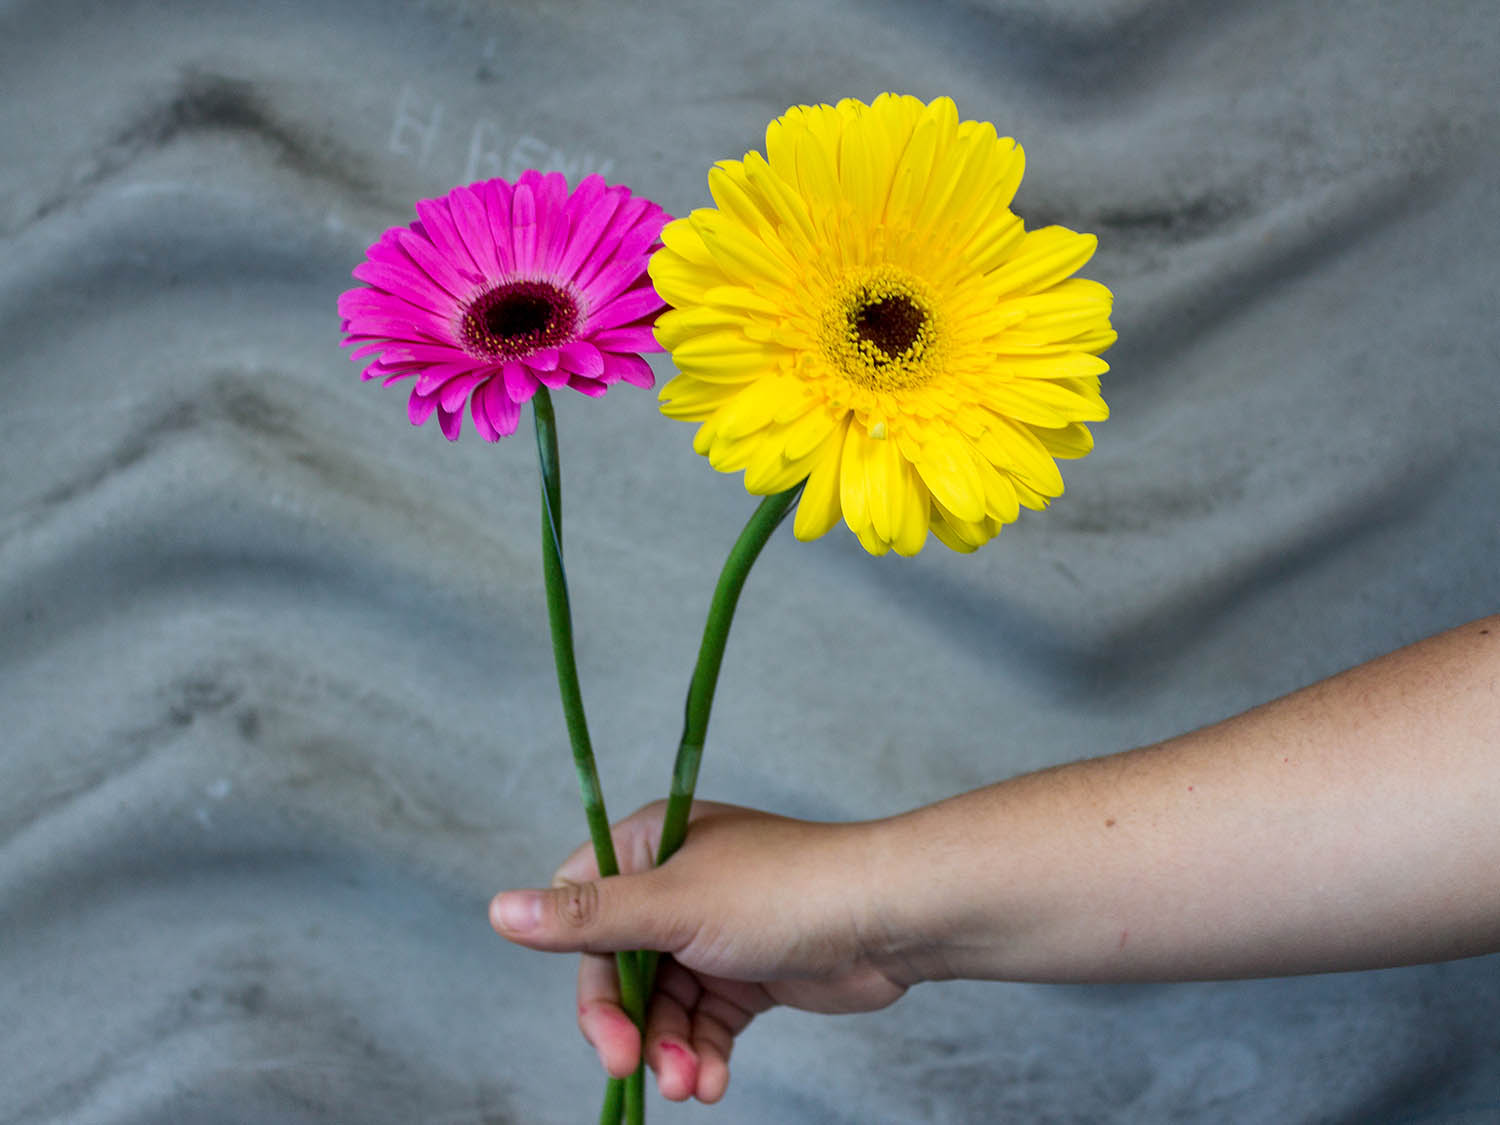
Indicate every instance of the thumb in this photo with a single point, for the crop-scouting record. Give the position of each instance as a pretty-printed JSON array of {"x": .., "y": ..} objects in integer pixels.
[{"x": 594, "y": 916}]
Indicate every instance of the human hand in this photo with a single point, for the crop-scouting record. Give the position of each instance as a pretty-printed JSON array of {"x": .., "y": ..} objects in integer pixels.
[{"x": 755, "y": 910}]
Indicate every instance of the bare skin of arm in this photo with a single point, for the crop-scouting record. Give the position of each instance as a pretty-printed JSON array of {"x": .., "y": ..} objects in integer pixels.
[{"x": 1350, "y": 825}]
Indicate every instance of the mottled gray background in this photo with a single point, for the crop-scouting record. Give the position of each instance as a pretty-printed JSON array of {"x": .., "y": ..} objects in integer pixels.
[{"x": 276, "y": 703}]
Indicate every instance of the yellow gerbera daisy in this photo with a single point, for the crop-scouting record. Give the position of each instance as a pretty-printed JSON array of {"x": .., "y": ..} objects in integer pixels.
[{"x": 863, "y": 310}]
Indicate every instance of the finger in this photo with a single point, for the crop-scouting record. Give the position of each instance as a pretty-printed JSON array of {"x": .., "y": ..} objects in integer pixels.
[
  {"x": 693, "y": 1024},
  {"x": 602, "y": 1020},
  {"x": 579, "y": 867},
  {"x": 624, "y": 912},
  {"x": 669, "y": 1033},
  {"x": 722, "y": 1013},
  {"x": 634, "y": 838}
]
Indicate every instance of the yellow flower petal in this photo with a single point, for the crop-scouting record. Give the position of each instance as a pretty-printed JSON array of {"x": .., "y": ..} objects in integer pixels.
[
  {"x": 819, "y": 507},
  {"x": 947, "y": 468},
  {"x": 914, "y": 168},
  {"x": 778, "y": 199},
  {"x": 1017, "y": 448},
  {"x": 741, "y": 300},
  {"x": 1069, "y": 441},
  {"x": 871, "y": 541},
  {"x": 808, "y": 432},
  {"x": 724, "y": 357},
  {"x": 679, "y": 281},
  {"x": 863, "y": 311},
  {"x": 755, "y": 407},
  {"x": 683, "y": 241},
  {"x": 693, "y": 400},
  {"x": 1044, "y": 258},
  {"x": 1063, "y": 365},
  {"x": 1000, "y": 500},
  {"x": 1044, "y": 402},
  {"x": 726, "y": 183},
  {"x": 676, "y": 326},
  {"x": 854, "y": 483}
]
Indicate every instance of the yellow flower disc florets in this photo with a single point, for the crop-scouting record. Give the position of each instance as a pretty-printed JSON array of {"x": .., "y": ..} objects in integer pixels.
[
  {"x": 880, "y": 330},
  {"x": 862, "y": 311}
]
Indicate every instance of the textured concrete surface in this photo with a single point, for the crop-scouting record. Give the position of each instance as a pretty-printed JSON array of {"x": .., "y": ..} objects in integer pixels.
[{"x": 276, "y": 708}]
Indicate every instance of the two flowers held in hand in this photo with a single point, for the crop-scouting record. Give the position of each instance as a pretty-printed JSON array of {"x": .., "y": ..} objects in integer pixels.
[{"x": 861, "y": 325}]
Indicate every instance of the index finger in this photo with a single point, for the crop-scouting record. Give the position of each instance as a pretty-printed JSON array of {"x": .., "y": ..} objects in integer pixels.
[{"x": 635, "y": 840}]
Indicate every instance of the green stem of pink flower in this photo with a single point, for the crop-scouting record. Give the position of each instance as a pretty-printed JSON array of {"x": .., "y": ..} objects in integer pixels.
[
  {"x": 560, "y": 617},
  {"x": 700, "y": 697},
  {"x": 614, "y": 1102}
]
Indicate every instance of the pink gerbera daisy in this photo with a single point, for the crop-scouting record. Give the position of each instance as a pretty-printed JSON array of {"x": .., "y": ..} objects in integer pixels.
[{"x": 499, "y": 288}]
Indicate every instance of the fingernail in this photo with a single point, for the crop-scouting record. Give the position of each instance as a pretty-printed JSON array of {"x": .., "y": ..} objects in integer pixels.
[{"x": 517, "y": 911}]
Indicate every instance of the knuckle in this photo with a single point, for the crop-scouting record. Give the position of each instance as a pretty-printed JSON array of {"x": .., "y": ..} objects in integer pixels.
[{"x": 578, "y": 905}]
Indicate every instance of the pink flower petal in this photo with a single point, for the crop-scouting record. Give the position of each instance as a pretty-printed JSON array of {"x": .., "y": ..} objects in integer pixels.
[
  {"x": 580, "y": 357},
  {"x": 497, "y": 199},
  {"x": 523, "y": 227},
  {"x": 455, "y": 392},
  {"x": 387, "y": 249},
  {"x": 632, "y": 369},
  {"x": 419, "y": 408},
  {"x": 552, "y": 220},
  {"x": 586, "y": 386},
  {"x": 613, "y": 280},
  {"x": 633, "y": 304},
  {"x": 437, "y": 220},
  {"x": 589, "y": 191},
  {"x": 474, "y": 228},
  {"x": 640, "y": 238},
  {"x": 626, "y": 338},
  {"x": 360, "y": 305},
  {"x": 435, "y": 266},
  {"x": 590, "y": 245},
  {"x": 482, "y": 424},
  {"x": 520, "y": 383},
  {"x": 411, "y": 327},
  {"x": 624, "y": 221},
  {"x": 586, "y": 237},
  {"x": 553, "y": 377},
  {"x": 501, "y": 410},
  {"x": 449, "y": 422},
  {"x": 406, "y": 284},
  {"x": 382, "y": 370},
  {"x": 435, "y": 376},
  {"x": 423, "y": 353}
]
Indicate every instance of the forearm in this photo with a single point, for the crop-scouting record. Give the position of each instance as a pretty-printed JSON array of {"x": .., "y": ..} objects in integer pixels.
[{"x": 1353, "y": 824}]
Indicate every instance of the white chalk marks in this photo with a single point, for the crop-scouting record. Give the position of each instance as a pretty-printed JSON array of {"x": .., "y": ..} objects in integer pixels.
[{"x": 422, "y": 131}]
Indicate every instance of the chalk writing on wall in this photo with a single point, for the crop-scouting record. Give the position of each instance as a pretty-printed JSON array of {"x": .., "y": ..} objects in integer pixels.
[{"x": 422, "y": 131}]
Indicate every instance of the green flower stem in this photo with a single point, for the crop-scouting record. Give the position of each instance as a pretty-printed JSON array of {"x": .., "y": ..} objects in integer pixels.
[
  {"x": 614, "y": 1102},
  {"x": 635, "y": 1090},
  {"x": 700, "y": 696},
  {"x": 560, "y": 617}
]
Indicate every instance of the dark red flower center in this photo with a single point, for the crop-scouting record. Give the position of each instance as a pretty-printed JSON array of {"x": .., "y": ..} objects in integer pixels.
[
  {"x": 518, "y": 317},
  {"x": 891, "y": 323}
]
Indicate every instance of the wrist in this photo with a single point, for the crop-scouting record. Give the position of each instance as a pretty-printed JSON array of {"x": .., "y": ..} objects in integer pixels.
[
  {"x": 909, "y": 928},
  {"x": 976, "y": 887}
]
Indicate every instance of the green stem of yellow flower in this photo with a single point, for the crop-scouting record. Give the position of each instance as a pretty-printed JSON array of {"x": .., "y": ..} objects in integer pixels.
[
  {"x": 700, "y": 697},
  {"x": 560, "y": 617}
]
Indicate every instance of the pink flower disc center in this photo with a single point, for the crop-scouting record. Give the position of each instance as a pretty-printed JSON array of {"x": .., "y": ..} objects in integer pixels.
[{"x": 514, "y": 319}]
